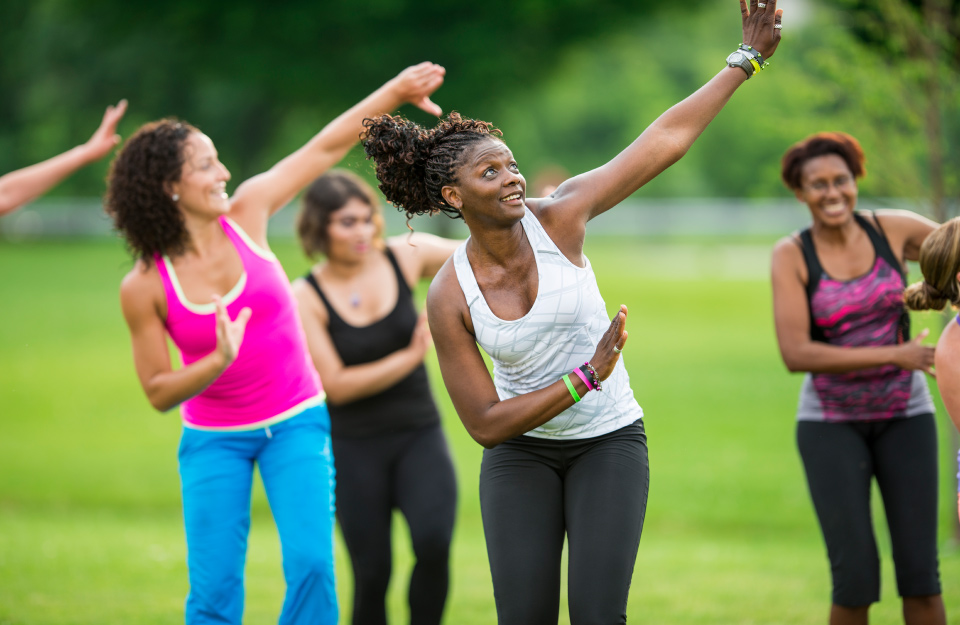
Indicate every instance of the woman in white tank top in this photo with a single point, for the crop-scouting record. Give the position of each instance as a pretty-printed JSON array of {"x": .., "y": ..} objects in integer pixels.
[{"x": 555, "y": 467}]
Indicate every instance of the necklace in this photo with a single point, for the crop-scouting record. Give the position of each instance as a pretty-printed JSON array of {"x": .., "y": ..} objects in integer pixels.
[{"x": 355, "y": 299}]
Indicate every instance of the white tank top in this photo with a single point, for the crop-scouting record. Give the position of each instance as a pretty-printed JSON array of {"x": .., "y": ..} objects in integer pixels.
[{"x": 557, "y": 335}]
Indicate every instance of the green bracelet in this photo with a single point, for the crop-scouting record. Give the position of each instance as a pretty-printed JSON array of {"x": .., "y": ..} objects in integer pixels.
[{"x": 573, "y": 391}]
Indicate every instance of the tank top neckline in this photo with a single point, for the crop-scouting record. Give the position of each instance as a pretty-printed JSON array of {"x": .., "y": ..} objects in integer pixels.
[
  {"x": 401, "y": 284},
  {"x": 231, "y": 295},
  {"x": 877, "y": 240}
]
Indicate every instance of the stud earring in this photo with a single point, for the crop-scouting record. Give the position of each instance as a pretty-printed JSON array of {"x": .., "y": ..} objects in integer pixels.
[{"x": 175, "y": 197}]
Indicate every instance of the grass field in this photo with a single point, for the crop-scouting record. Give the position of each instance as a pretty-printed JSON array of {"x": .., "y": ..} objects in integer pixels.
[{"x": 90, "y": 527}]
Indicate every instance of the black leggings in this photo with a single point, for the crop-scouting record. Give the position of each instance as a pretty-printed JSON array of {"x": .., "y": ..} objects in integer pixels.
[
  {"x": 840, "y": 460},
  {"x": 411, "y": 471},
  {"x": 535, "y": 491}
]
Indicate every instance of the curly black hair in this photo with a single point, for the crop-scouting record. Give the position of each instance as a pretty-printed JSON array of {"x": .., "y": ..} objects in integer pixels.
[
  {"x": 414, "y": 163},
  {"x": 137, "y": 198},
  {"x": 821, "y": 144}
]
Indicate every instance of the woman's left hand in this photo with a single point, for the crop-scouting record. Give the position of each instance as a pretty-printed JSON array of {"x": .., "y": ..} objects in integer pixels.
[
  {"x": 417, "y": 82},
  {"x": 761, "y": 25}
]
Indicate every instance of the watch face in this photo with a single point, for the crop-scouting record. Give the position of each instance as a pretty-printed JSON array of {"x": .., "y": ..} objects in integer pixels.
[{"x": 736, "y": 58}]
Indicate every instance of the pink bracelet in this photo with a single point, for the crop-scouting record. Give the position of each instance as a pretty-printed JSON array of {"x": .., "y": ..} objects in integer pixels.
[{"x": 584, "y": 378}]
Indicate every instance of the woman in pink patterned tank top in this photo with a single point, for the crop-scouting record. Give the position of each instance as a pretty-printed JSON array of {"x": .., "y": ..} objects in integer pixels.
[
  {"x": 865, "y": 412},
  {"x": 249, "y": 395}
]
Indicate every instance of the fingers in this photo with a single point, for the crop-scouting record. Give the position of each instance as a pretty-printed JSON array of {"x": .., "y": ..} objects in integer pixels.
[
  {"x": 753, "y": 6},
  {"x": 243, "y": 318},
  {"x": 921, "y": 335},
  {"x": 743, "y": 9},
  {"x": 931, "y": 372}
]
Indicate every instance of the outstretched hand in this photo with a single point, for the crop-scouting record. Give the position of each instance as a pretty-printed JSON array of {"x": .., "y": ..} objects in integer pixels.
[
  {"x": 106, "y": 137},
  {"x": 761, "y": 25},
  {"x": 416, "y": 83},
  {"x": 230, "y": 333},
  {"x": 610, "y": 345}
]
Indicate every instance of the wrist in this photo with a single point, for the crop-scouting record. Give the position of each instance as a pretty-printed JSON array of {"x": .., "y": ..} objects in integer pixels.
[{"x": 747, "y": 58}]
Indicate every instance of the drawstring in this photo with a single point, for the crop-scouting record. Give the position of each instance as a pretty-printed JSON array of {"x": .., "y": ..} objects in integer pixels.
[{"x": 269, "y": 433}]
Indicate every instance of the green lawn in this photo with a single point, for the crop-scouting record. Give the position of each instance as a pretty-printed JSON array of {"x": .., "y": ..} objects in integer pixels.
[{"x": 90, "y": 527}]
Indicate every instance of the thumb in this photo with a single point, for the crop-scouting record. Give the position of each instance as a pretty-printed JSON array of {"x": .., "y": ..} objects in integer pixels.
[
  {"x": 243, "y": 317},
  {"x": 428, "y": 105},
  {"x": 922, "y": 335}
]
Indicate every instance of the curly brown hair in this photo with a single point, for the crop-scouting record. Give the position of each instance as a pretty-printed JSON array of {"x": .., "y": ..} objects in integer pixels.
[
  {"x": 325, "y": 196},
  {"x": 821, "y": 144},
  {"x": 137, "y": 197},
  {"x": 414, "y": 164}
]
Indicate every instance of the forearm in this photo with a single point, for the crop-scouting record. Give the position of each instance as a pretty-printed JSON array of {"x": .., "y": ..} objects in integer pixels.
[
  {"x": 24, "y": 185},
  {"x": 171, "y": 388},
  {"x": 817, "y": 357},
  {"x": 682, "y": 123},
  {"x": 358, "y": 381},
  {"x": 512, "y": 417}
]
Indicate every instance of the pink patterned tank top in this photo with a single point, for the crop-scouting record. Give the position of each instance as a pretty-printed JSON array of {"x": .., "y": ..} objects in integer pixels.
[
  {"x": 865, "y": 311},
  {"x": 273, "y": 377}
]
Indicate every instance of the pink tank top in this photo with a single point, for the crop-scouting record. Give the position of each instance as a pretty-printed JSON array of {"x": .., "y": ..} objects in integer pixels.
[{"x": 273, "y": 377}]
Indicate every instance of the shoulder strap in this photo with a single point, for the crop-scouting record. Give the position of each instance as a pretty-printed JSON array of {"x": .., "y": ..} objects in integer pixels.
[
  {"x": 882, "y": 247},
  {"x": 814, "y": 272},
  {"x": 879, "y": 240},
  {"x": 401, "y": 279},
  {"x": 312, "y": 281}
]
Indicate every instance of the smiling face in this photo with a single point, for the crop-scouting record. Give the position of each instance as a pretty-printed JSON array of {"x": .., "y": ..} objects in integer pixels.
[
  {"x": 829, "y": 189},
  {"x": 202, "y": 188},
  {"x": 489, "y": 184},
  {"x": 352, "y": 231}
]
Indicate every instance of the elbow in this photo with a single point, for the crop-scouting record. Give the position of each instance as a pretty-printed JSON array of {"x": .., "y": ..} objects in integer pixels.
[
  {"x": 793, "y": 364},
  {"x": 161, "y": 405},
  {"x": 486, "y": 439}
]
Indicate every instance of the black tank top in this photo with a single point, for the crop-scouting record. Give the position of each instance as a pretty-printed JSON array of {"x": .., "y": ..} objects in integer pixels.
[{"x": 406, "y": 405}]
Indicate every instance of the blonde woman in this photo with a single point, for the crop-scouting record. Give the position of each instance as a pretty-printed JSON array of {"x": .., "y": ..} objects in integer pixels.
[{"x": 940, "y": 264}]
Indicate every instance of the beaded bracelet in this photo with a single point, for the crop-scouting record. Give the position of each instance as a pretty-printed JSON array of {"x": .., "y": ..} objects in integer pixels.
[
  {"x": 593, "y": 375},
  {"x": 573, "y": 391}
]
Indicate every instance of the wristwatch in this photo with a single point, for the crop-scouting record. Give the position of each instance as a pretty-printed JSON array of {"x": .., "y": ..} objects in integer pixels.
[{"x": 743, "y": 60}]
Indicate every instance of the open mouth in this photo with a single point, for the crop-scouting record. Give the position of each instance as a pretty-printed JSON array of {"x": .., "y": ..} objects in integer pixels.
[{"x": 513, "y": 197}]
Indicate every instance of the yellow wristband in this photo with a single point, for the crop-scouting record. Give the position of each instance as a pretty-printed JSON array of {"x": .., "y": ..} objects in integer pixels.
[{"x": 756, "y": 66}]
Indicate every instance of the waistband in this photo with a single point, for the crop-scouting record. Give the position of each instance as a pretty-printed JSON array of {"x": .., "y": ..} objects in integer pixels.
[{"x": 312, "y": 402}]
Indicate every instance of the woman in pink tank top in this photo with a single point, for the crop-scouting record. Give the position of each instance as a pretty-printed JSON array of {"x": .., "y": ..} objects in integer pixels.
[{"x": 249, "y": 394}]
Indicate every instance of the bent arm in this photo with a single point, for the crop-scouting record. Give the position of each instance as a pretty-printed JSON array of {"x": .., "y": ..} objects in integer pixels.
[
  {"x": 25, "y": 185},
  {"x": 906, "y": 231},
  {"x": 344, "y": 384},
  {"x": 261, "y": 196},
  {"x": 420, "y": 254},
  {"x": 487, "y": 418},
  {"x": 792, "y": 321},
  {"x": 164, "y": 387}
]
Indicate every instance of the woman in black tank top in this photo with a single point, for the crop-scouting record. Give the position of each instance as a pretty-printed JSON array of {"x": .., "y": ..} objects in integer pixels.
[{"x": 368, "y": 343}]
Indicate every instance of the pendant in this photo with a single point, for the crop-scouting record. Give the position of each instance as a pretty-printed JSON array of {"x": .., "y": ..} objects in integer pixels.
[{"x": 355, "y": 299}]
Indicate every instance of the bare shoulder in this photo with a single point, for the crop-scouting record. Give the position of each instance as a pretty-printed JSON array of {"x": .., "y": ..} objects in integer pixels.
[
  {"x": 308, "y": 300},
  {"x": 897, "y": 220},
  {"x": 421, "y": 254},
  {"x": 787, "y": 258},
  {"x": 446, "y": 302},
  {"x": 141, "y": 290}
]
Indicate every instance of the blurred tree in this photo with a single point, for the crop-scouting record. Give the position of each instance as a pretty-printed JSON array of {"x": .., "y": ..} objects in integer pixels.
[
  {"x": 260, "y": 77},
  {"x": 920, "y": 41}
]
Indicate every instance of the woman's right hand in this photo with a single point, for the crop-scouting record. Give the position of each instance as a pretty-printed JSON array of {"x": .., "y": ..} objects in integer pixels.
[
  {"x": 416, "y": 83},
  {"x": 915, "y": 355},
  {"x": 610, "y": 345},
  {"x": 760, "y": 26},
  {"x": 229, "y": 333}
]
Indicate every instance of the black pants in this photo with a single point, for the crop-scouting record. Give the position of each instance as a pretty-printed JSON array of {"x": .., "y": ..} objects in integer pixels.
[
  {"x": 533, "y": 492},
  {"x": 411, "y": 471},
  {"x": 840, "y": 460}
]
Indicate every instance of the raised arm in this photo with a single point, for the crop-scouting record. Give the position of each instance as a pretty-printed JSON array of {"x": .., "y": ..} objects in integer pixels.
[
  {"x": 259, "y": 197},
  {"x": 140, "y": 297},
  {"x": 25, "y": 185},
  {"x": 906, "y": 231},
  {"x": 792, "y": 320},
  {"x": 668, "y": 138},
  {"x": 487, "y": 418}
]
